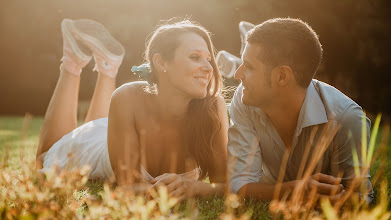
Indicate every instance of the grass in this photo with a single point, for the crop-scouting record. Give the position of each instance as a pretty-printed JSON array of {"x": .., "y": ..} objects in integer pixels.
[
  {"x": 18, "y": 144},
  {"x": 17, "y": 140}
]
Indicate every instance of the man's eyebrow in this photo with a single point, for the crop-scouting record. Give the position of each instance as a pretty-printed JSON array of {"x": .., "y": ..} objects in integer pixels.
[
  {"x": 244, "y": 59},
  {"x": 247, "y": 63}
]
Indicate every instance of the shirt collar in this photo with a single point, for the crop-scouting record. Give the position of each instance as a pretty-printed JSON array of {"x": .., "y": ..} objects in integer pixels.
[
  {"x": 312, "y": 111},
  {"x": 262, "y": 115}
]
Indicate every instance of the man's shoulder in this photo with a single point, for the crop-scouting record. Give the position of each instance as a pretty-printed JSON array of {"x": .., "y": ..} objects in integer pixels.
[
  {"x": 236, "y": 101},
  {"x": 239, "y": 113},
  {"x": 336, "y": 103}
]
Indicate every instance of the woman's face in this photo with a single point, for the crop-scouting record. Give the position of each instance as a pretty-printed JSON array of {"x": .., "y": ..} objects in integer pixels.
[{"x": 190, "y": 70}]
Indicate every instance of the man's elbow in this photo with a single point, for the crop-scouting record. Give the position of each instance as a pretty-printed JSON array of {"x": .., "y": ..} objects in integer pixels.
[{"x": 242, "y": 191}]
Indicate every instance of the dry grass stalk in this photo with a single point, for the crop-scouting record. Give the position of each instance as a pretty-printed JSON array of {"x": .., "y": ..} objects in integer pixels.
[{"x": 301, "y": 206}]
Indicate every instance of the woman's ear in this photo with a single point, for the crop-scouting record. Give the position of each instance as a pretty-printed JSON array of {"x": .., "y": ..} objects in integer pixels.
[{"x": 158, "y": 62}]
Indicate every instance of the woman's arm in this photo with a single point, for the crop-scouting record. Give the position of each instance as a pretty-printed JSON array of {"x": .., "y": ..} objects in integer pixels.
[
  {"x": 201, "y": 188},
  {"x": 122, "y": 137}
]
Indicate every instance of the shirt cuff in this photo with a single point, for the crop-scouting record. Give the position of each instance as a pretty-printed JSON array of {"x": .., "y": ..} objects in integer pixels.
[{"x": 237, "y": 183}]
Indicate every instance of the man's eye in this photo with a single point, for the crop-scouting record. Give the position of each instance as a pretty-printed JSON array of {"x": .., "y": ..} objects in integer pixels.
[{"x": 248, "y": 67}]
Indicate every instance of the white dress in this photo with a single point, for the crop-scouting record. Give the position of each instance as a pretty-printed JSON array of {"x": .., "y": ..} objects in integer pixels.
[{"x": 87, "y": 145}]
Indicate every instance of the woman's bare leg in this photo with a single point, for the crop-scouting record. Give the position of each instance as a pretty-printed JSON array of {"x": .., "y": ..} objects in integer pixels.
[
  {"x": 61, "y": 114},
  {"x": 80, "y": 38},
  {"x": 100, "y": 102},
  {"x": 108, "y": 54}
]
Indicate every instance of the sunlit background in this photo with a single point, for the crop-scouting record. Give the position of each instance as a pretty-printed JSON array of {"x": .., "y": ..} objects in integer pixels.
[{"x": 355, "y": 35}]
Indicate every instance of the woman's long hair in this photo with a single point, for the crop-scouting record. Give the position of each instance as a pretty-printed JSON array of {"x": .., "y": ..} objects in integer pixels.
[{"x": 202, "y": 122}]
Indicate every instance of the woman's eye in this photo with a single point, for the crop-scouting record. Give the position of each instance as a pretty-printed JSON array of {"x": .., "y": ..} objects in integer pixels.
[{"x": 196, "y": 58}]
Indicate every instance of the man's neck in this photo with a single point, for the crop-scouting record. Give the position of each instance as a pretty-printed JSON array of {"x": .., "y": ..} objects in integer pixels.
[{"x": 284, "y": 114}]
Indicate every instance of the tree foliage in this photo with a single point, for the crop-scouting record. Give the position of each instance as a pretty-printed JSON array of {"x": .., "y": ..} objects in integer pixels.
[{"x": 354, "y": 34}]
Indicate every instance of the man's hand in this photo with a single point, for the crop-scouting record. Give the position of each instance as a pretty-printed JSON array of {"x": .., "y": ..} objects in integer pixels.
[
  {"x": 325, "y": 186},
  {"x": 176, "y": 185}
]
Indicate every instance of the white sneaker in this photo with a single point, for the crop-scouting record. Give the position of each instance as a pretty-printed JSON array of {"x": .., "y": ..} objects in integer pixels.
[
  {"x": 107, "y": 51},
  {"x": 75, "y": 55}
]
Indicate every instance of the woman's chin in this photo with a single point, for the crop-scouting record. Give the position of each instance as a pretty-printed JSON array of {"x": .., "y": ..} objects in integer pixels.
[{"x": 199, "y": 95}]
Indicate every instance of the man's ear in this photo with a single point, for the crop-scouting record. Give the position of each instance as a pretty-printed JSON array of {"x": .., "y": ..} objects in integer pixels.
[
  {"x": 283, "y": 75},
  {"x": 158, "y": 62}
]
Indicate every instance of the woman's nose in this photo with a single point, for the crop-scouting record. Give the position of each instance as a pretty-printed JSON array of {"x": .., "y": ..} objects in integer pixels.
[{"x": 207, "y": 66}]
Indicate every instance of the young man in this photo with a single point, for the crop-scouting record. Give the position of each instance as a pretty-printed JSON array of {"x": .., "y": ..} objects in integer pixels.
[{"x": 279, "y": 109}]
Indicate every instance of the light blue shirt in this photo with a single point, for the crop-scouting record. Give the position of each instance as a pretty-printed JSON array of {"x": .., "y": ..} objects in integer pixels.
[{"x": 256, "y": 150}]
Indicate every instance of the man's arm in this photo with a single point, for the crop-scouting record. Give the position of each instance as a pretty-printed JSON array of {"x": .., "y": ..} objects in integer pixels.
[
  {"x": 264, "y": 191},
  {"x": 349, "y": 136},
  {"x": 324, "y": 185},
  {"x": 244, "y": 153}
]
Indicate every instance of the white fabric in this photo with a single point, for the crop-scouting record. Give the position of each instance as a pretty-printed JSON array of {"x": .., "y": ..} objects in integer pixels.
[{"x": 87, "y": 145}]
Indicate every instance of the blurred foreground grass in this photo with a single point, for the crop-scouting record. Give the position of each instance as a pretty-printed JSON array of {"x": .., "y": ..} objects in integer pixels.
[{"x": 19, "y": 138}]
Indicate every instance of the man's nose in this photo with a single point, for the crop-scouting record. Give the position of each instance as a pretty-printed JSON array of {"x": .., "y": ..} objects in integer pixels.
[{"x": 238, "y": 74}]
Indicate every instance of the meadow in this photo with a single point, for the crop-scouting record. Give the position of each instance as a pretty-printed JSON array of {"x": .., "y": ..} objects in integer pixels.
[{"x": 25, "y": 195}]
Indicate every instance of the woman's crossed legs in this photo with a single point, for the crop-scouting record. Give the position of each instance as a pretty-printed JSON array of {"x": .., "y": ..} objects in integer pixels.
[{"x": 81, "y": 38}]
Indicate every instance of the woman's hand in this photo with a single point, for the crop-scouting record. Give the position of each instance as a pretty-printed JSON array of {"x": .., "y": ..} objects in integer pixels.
[
  {"x": 137, "y": 188},
  {"x": 177, "y": 186}
]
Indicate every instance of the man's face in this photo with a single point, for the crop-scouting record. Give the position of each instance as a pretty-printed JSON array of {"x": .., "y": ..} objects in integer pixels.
[{"x": 255, "y": 77}]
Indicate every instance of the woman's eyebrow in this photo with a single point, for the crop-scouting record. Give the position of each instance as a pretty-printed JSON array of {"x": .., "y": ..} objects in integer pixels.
[{"x": 201, "y": 51}]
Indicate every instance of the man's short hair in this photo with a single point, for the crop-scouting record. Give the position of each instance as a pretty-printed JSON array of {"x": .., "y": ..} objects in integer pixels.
[{"x": 290, "y": 42}]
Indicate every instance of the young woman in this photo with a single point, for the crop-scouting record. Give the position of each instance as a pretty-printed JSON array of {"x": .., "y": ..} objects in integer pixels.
[{"x": 171, "y": 130}]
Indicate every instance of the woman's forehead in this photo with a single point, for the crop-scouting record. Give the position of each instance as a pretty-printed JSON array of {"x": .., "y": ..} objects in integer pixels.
[{"x": 192, "y": 42}]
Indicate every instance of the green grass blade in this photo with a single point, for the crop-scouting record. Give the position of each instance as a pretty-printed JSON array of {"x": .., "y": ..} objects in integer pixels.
[
  {"x": 356, "y": 163},
  {"x": 372, "y": 141},
  {"x": 364, "y": 141},
  {"x": 328, "y": 210}
]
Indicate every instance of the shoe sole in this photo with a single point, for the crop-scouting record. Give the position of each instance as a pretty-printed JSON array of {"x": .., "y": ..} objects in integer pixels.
[
  {"x": 226, "y": 60},
  {"x": 244, "y": 27},
  {"x": 66, "y": 29},
  {"x": 97, "y": 36}
]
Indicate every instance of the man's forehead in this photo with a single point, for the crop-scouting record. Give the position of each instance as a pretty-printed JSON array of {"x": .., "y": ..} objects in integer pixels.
[{"x": 251, "y": 52}]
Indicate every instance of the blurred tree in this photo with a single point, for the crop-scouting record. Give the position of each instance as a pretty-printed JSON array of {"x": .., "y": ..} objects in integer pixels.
[{"x": 354, "y": 34}]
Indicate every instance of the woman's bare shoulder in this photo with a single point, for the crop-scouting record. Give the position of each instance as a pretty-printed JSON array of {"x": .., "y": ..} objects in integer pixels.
[
  {"x": 131, "y": 88},
  {"x": 129, "y": 93}
]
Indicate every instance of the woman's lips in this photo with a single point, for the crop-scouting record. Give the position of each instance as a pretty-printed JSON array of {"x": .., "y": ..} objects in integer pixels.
[{"x": 203, "y": 80}]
